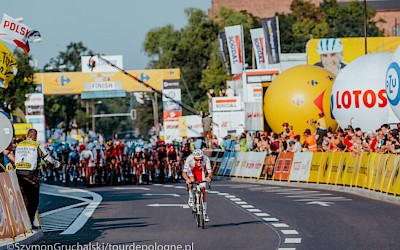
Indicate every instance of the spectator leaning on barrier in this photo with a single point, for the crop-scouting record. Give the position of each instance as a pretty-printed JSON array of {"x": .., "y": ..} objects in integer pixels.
[
  {"x": 297, "y": 147},
  {"x": 310, "y": 143},
  {"x": 28, "y": 155}
]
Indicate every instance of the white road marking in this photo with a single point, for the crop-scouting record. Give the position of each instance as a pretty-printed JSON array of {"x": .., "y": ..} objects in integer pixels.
[
  {"x": 224, "y": 194},
  {"x": 130, "y": 188},
  {"x": 247, "y": 206},
  {"x": 253, "y": 210},
  {"x": 293, "y": 240},
  {"x": 286, "y": 248},
  {"x": 269, "y": 219},
  {"x": 261, "y": 214},
  {"x": 280, "y": 225},
  {"x": 180, "y": 187},
  {"x": 257, "y": 188},
  {"x": 289, "y": 232},
  {"x": 321, "y": 203},
  {"x": 325, "y": 199},
  {"x": 174, "y": 195},
  {"x": 230, "y": 196},
  {"x": 307, "y": 195},
  {"x": 240, "y": 202},
  {"x": 169, "y": 205},
  {"x": 212, "y": 192},
  {"x": 244, "y": 186},
  {"x": 235, "y": 199}
]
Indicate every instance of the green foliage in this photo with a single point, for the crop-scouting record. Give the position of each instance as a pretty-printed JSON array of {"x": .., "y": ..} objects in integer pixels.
[
  {"x": 19, "y": 86},
  {"x": 308, "y": 21}
]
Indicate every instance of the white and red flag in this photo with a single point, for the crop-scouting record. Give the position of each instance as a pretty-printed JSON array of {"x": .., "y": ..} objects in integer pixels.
[
  {"x": 258, "y": 39},
  {"x": 17, "y": 33},
  {"x": 234, "y": 37}
]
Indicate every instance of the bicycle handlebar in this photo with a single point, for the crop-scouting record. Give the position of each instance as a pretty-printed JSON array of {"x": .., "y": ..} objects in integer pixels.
[{"x": 198, "y": 183}]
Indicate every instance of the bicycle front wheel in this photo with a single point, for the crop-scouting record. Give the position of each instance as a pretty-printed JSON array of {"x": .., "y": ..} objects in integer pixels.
[{"x": 201, "y": 211}]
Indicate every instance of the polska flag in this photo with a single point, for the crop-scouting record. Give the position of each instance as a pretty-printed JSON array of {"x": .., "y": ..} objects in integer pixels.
[
  {"x": 234, "y": 37},
  {"x": 17, "y": 33}
]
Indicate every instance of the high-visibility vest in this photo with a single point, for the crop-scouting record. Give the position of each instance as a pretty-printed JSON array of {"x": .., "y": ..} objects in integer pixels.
[{"x": 26, "y": 155}]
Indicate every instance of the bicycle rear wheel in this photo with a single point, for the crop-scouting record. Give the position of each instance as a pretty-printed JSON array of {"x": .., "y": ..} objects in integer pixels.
[{"x": 197, "y": 205}]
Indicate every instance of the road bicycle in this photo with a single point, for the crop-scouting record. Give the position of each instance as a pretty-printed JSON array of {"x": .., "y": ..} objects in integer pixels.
[{"x": 198, "y": 205}]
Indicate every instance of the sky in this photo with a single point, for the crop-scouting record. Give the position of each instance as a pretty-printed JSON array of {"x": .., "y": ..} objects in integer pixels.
[{"x": 104, "y": 26}]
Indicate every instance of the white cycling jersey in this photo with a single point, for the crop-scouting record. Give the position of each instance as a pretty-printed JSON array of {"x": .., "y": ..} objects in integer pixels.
[{"x": 193, "y": 168}]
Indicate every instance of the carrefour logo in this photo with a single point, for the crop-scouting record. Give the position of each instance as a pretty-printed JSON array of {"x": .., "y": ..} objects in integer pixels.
[{"x": 392, "y": 83}]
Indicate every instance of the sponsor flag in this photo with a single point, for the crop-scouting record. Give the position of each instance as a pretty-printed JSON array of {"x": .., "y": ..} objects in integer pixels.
[
  {"x": 223, "y": 50},
  {"x": 17, "y": 33},
  {"x": 234, "y": 36},
  {"x": 258, "y": 40},
  {"x": 8, "y": 66},
  {"x": 270, "y": 26}
]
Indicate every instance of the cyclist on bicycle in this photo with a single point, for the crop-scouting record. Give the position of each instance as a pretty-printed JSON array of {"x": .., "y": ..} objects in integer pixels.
[
  {"x": 193, "y": 170},
  {"x": 172, "y": 160}
]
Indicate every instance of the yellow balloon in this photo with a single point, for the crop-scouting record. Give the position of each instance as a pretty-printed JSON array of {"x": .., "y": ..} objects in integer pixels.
[{"x": 298, "y": 95}]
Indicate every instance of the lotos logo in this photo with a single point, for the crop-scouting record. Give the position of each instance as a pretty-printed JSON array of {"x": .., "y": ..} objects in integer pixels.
[
  {"x": 392, "y": 83},
  {"x": 355, "y": 98}
]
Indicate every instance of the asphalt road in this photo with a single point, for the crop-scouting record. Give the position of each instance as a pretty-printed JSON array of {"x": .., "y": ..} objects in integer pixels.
[{"x": 243, "y": 216}]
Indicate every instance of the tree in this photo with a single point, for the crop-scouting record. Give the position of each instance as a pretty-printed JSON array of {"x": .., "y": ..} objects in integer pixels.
[
  {"x": 21, "y": 84},
  {"x": 308, "y": 21},
  {"x": 64, "y": 108}
]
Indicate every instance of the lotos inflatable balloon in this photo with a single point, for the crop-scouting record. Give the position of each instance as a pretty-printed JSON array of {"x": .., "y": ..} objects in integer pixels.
[
  {"x": 297, "y": 96},
  {"x": 359, "y": 93},
  {"x": 392, "y": 82}
]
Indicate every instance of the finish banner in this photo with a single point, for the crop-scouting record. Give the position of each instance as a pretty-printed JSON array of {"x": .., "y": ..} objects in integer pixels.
[
  {"x": 258, "y": 40},
  {"x": 270, "y": 26},
  {"x": 223, "y": 50},
  {"x": 234, "y": 36}
]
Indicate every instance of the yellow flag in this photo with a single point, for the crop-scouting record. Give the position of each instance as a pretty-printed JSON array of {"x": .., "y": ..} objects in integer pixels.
[{"x": 8, "y": 66}]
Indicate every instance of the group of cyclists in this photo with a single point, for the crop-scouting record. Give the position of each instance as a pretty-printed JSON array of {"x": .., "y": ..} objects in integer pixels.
[{"x": 114, "y": 162}]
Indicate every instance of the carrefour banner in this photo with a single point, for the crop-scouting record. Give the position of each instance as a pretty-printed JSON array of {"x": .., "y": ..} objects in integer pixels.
[
  {"x": 253, "y": 165},
  {"x": 270, "y": 26},
  {"x": 258, "y": 39},
  {"x": 70, "y": 83},
  {"x": 234, "y": 36}
]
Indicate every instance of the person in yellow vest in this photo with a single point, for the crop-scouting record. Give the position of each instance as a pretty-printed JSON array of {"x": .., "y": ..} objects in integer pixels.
[
  {"x": 28, "y": 155},
  {"x": 310, "y": 143}
]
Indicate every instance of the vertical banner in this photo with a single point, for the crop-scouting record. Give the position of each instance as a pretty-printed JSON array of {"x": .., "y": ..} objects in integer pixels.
[
  {"x": 223, "y": 50},
  {"x": 270, "y": 26},
  {"x": 254, "y": 116},
  {"x": 258, "y": 40},
  {"x": 234, "y": 36}
]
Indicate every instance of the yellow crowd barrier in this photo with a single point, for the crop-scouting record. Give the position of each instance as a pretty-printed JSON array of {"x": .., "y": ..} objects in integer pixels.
[{"x": 372, "y": 171}]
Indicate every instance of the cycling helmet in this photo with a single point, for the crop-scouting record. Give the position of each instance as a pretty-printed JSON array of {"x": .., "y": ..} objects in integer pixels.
[
  {"x": 198, "y": 153},
  {"x": 329, "y": 46}
]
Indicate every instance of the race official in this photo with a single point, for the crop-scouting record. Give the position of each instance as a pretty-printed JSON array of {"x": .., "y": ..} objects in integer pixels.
[{"x": 28, "y": 155}]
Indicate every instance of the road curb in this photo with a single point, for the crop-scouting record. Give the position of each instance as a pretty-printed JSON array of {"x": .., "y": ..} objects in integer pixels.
[
  {"x": 352, "y": 190},
  {"x": 21, "y": 240}
]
